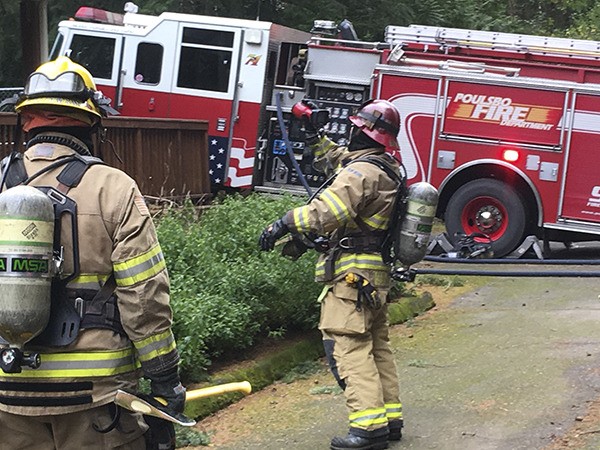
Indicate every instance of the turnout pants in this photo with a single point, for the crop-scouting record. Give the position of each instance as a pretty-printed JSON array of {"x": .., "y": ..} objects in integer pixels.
[
  {"x": 358, "y": 350},
  {"x": 73, "y": 431}
]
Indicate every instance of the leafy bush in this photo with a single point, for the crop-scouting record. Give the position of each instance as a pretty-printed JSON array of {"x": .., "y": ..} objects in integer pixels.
[{"x": 225, "y": 292}]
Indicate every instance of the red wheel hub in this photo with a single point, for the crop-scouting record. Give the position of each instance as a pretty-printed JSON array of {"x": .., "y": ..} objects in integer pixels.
[{"x": 485, "y": 215}]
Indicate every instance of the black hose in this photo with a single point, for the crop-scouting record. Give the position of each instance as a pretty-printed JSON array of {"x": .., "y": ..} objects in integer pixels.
[
  {"x": 549, "y": 262},
  {"x": 506, "y": 273}
]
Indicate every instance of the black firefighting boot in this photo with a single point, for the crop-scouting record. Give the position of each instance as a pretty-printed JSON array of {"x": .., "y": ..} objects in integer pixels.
[
  {"x": 359, "y": 439},
  {"x": 395, "y": 427}
]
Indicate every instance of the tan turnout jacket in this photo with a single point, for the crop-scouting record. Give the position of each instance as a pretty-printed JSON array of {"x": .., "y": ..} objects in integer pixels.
[
  {"x": 358, "y": 203},
  {"x": 116, "y": 234}
]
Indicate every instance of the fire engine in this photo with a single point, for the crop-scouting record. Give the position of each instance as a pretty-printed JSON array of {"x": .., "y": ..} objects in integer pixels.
[
  {"x": 187, "y": 66},
  {"x": 506, "y": 126}
]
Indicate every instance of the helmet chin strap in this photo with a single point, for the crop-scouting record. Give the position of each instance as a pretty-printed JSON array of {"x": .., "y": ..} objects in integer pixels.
[{"x": 361, "y": 141}]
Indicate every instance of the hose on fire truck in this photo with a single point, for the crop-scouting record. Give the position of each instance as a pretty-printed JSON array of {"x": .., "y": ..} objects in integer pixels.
[{"x": 288, "y": 145}]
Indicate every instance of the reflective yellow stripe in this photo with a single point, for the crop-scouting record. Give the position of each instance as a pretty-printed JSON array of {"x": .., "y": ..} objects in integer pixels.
[
  {"x": 88, "y": 281},
  {"x": 377, "y": 222},
  {"x": 368, "y": 417},
  {"x": 335, "y": 204},
  {"x": 393, "y": 410},
  {"x": 154, "y": 346},
  {"x": 366, "y": 261},
  {"x": 300, "y": 219},
  {"x": 322, "y": 147},
  {"x": 140, "y": 268},
  {"x": 79, "y": 365}
]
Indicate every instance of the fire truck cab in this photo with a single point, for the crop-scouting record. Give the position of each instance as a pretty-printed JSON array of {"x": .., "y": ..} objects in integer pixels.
[
  {"x": 506, "y": 126},
  {"x": 188, "y": 67}
]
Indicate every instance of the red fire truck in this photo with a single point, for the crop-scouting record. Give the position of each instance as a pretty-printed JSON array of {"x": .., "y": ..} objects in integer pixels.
[
  {"x": 187, "y": 67},
  {"x": 505, "y": 126}
]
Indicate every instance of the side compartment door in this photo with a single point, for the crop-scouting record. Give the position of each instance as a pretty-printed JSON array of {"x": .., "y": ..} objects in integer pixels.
[
  {"x": 582, "y": 186},
  {"x": 204, "y": 86}
]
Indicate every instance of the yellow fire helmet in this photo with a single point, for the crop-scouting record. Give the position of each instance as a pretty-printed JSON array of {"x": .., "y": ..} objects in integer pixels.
[{"x": 63, "y": 84}]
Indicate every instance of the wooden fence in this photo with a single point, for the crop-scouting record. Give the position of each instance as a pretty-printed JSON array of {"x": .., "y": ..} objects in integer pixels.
[{"x": 167, "y": 158}]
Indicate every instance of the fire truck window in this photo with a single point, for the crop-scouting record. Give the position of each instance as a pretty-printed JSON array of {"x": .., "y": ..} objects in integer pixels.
[
  {"x": 148, "y": 63},
  {"x": 208, "y": 37},
  {"x": 203, "y": 68},
  {"x": 95, "y": 53}
]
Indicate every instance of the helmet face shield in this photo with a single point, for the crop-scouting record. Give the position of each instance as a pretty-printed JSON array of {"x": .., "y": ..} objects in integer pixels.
[
  {"x": 68, "y": 84},
  {"x": 64, "y": 85}
]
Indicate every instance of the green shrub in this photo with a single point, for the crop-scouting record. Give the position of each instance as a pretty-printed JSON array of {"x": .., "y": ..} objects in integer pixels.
[{"x": 225, "y": 292}]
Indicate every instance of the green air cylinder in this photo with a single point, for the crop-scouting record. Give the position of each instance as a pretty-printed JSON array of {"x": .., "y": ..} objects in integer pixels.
[
  {"x": 416, "y": 225},
  {"x": 26, "y": 244}
]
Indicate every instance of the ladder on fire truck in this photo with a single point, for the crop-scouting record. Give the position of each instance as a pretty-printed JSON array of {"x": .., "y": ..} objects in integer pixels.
[{"x": 456, "y": 37}]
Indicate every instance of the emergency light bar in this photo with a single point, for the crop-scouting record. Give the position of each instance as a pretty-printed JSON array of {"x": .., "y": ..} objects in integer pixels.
[{"x": 95, "y": 15}]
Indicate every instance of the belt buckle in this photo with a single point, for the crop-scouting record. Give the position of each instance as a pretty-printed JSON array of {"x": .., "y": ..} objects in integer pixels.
[
  {"x": 345, "y": 243},
  {"x": 79, "y": 306}
]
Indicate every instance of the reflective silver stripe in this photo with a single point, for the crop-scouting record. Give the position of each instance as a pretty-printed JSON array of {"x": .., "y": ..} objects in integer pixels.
[
  {"x": 377, "y": 222},
  {"x": 154, "y": 346},
  {"x": 301, "y": 218},
  {"x": 368, "y": 417},
  {"x": 139, "y": 268},
  {"x": 336, "y": 206},
  {"x": 74, "y": 365},
  {"x": 354, "y": 261}
]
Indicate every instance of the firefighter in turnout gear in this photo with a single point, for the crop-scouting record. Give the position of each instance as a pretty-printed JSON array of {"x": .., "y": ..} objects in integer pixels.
[
  {"x": 111, "y": 296},
  {"x": 354, "y": 213}
]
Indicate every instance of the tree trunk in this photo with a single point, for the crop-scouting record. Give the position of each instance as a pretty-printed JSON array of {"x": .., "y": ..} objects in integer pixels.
[{"x": 34, "y": 34}]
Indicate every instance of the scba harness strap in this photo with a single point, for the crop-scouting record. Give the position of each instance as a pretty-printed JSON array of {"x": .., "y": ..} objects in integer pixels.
[{"x": 71, "y": 309}]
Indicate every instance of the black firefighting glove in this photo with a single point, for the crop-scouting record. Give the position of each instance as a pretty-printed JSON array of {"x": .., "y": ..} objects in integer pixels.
[
  {"x": 168, "y": 386},
  {"x": 311, "y": 129},
  {"x": 270, "y": 235}
]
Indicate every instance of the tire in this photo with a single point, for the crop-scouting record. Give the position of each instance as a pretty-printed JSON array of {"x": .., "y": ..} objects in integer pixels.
[{"x": 507, "y": 219}]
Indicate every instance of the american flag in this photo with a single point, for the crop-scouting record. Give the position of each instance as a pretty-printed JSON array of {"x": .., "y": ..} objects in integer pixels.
[{"x": 217, "y": 154}]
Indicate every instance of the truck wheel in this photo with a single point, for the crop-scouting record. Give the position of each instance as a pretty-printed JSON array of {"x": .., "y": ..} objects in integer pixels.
[{"x": 490, "y": 207}]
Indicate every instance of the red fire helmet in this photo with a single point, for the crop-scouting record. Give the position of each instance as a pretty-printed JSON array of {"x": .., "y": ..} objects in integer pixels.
[{"x": 380, "y": 120}]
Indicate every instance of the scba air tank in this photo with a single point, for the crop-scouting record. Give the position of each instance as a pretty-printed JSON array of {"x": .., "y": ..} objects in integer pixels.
[
  {"x": 26, "y": 240},
  {"x": 416, "y": 225}
]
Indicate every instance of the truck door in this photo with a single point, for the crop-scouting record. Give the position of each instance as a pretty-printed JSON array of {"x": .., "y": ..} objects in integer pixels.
[
  {"x": 147, "y": 70},
  {"x": 581, "y": 195},
  {"x": 205, "y": 86}
]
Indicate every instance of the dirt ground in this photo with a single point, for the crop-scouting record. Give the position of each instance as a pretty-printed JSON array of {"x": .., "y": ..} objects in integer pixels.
[{"x": 498, "y": 364}]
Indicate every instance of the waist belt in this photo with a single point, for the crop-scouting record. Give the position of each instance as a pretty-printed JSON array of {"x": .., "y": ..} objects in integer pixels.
[
  {"x": 93, "y": 315},
  {"x": 360, "y": 244}
]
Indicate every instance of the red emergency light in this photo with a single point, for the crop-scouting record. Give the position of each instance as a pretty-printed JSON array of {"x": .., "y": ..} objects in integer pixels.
[
  {"x": 510, "y": 155},
  {"x": 88, "y": 14}
]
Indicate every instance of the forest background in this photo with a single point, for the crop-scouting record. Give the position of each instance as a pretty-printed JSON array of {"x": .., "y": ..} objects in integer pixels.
[{"x": 563, "y": 18}]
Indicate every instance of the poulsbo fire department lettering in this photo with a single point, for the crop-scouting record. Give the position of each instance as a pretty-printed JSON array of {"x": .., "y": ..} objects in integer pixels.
[
  {"x": 501, "y": 110},
  {"x": 594, "y": 200}
]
